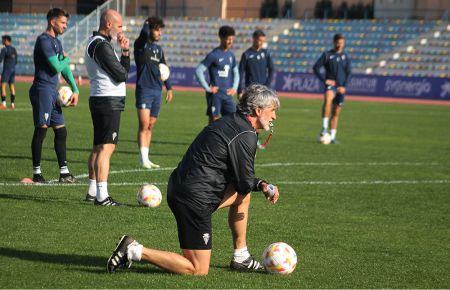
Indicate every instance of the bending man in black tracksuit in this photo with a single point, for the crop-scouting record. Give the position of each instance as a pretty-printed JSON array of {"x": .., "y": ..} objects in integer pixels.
[
  {"x": 217, "y": 171},
  {"x": 108, "y": 72}
]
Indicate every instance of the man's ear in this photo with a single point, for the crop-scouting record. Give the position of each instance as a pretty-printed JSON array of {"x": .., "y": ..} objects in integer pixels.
[{"x": 258, "y": 112}]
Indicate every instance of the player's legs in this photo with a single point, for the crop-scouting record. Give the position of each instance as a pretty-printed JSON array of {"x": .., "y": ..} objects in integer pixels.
[
  {"x": 228, "y": 106},
  {"x": 146, "y": 124},
  {"x": 326, "y": 109},
  {"x": 3, "y": 104},
  {"x": 60, "y": 147},
  {"x": 12, "y": 90},
  {"x": 106, "y": 123},
  {"x": 237, "y": 215},
  {"x": 44, "y": 116},
  {"x": 237, "y": 220},
  {"x": 60, "y": 141},
  {"x": 209, "y": 105},
  {"x": 338, "y": 101},
  {"x": 192, "y": 262},
  {"x": 92, "y": 190},
  {"x": 101, "y": 165},
  {"x": 334, "y": 121},
  {"x": 216, "y": 107}
]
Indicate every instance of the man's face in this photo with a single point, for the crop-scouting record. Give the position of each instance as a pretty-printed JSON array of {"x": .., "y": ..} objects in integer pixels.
[
  {"x": 226, "y": 42},
  {"x": 339, "y": 44},
  {"x": 115, "y": 27},
  {"x": 265, "y": 117},
  {"x": 258, "y": 42},
  {"x": 155, "y": 34},
  {"x": 59, "y": 24}
]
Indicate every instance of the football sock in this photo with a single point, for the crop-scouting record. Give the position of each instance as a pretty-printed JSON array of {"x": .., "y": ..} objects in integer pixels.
[
  {"x": 240, "y": 255},
  {"x": 13, "y": 98},
  {"x": 64, "y": 170},
  {"x": 60, "y": 146},
  {"x": 36, "y": 145},
  {"x": 333, "y": 134},
  {"x": 102, "y": 190},
  {"x": 37, "y": 170},
  {"x": 135, "y": 251},
  {"x": 325, "y": 123},
  {"x": 144, "y": 153},
  {"x": 92, "y": 191},
  {"x": 3, "y": 100}
]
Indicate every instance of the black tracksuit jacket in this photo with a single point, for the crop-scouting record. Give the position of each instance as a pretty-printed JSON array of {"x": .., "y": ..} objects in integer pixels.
[{"x": 223, "y": 153}]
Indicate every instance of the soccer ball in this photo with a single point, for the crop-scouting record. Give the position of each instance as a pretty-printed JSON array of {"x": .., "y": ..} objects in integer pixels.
[
  {"x": 325, "y": 139},
  {"x": 164, "y": 72},
  {"x": 64, "y": 96},
  {"x": 149, "y": 195},
  {"x": 279, "y": 258}
]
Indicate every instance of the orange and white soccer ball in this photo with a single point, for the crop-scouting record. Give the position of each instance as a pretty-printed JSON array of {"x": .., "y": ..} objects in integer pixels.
[
  {"x": 325, "y": 138},
  {"x": 279, "y": 258},
  {"x": 149, "y": 195},
  {"x": 64, "y": 96},
  {"x": 164, "y": 71}
]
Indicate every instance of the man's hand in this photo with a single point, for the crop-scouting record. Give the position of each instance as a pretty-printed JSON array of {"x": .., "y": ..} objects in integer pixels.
[
  {"x": 169, "y": 96},
  {"x": 330, "y": 82},
  {"x": 231, "y": 92},
  {"x": 214, "y": 89},
  {"x": 341, "y": 90},
  {"x": 270, "y": 191},
  {"x": 74, "y": 100},
  {"x": 123, "y": 41}
]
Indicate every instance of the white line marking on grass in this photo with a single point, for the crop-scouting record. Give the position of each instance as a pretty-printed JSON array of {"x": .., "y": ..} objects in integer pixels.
[
  {"x": 85, "y": 175},
  {"x": 363, "y": 182},
  {"x": 279, "y": 164},
  {"x": 305, "y": 182},
  {"x": 350, "y": 164}
]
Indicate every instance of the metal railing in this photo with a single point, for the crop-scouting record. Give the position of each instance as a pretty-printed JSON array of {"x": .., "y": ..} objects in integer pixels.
[{"x": 77, "y": 36}]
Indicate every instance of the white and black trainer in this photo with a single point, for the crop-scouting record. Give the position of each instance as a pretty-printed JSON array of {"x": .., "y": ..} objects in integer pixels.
[
  {"x": 107, "y": 202},
  {"x": 119, "y": 257},
  {"x": 250, "y": 264}
]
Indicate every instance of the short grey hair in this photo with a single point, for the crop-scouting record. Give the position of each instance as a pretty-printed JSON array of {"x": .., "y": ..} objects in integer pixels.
[{"x": 257, "y": 96}]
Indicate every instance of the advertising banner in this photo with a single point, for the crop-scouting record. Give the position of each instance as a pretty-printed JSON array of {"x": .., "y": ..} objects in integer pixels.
[{"x": 359, "y": 84}]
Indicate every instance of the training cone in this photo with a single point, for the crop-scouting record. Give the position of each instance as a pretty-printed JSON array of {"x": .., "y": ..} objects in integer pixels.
[{"x": 26, "y": 180}]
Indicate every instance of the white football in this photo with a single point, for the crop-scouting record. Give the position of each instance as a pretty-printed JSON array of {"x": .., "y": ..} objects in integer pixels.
[
  {"x": 149, "y": 195},
  {"x": 325, "y": 139},
  {"x": 64, "y": 96},
  {"x": 279, "y": 258},
  {"x": 164, "y": 71}
]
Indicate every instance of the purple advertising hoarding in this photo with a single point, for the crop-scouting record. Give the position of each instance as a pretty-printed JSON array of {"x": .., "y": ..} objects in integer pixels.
[{"x": 359, "y": 84}]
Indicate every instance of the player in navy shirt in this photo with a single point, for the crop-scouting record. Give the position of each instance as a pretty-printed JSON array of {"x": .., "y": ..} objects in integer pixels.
[
  {"x": 9, "y": 57},
  {"x": 256, "y": 65},
  {"x": 337, "y": 73},
  {"x": 148, "y": 55},
  {"x": 49, "y": 61},
  {"x": 223, "y": 76}
]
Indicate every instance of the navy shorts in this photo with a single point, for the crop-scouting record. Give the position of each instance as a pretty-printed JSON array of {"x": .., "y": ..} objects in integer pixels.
[
  {"x": 148, "y": 100},
  {"x": 338, "y": 98},
  {"x": 222, "y": 104},
  {"x": 8, "y": 77},
  {"x": 45, "y": 109}
]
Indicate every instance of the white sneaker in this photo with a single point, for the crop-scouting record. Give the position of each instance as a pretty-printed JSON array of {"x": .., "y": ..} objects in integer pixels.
[{"x": 148, "y": 164}]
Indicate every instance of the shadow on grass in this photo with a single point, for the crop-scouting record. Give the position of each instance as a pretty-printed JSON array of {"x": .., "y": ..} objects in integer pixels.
[
  {"x": 96, "y": 264},
  {"x": 28, "y": 197},
  {"x": 64, "y": 259}
]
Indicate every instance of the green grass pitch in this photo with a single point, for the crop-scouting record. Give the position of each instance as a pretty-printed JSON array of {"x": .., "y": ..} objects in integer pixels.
[{"x": 371, "y": 212}]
